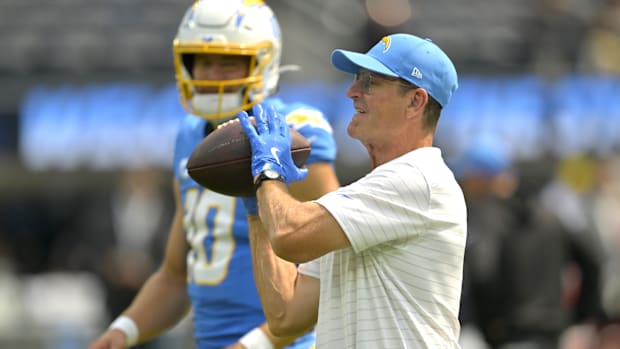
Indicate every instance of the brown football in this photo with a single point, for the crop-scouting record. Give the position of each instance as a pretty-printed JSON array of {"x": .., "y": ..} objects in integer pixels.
[{"x": 222, "y": 161}]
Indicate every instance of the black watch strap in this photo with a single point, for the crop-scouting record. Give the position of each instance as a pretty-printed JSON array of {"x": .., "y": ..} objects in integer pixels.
[{"x": 266, "y": 175}]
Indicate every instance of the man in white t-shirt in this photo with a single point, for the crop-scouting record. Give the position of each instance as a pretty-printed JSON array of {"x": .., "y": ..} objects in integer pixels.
[{"x": 380, "y": 260}]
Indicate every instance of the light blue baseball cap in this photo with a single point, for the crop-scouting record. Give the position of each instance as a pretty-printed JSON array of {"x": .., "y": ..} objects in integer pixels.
[{"x": 406, "y": 56}]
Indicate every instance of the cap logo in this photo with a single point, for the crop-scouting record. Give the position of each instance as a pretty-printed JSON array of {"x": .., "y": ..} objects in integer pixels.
[
  {"x": 416, "y": 73},
  {"x": 386, "y": 41}
]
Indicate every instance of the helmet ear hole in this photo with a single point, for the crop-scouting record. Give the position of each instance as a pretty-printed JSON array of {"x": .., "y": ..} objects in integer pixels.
[{"x": 188, "y": 62}]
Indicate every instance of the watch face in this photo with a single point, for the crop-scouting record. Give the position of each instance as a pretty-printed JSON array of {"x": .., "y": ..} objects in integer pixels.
[{"x": 271, "y": 174}]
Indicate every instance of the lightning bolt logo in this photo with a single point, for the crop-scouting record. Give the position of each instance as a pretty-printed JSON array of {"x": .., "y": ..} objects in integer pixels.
[{"x": 386, "y": 41}]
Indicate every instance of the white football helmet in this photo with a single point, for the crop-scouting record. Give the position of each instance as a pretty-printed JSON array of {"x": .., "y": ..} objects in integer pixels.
[{"x": 228, "y": 27}]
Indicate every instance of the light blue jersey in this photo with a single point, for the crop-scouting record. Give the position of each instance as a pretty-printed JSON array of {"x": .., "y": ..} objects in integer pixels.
[{"x": 219, "y": 264}]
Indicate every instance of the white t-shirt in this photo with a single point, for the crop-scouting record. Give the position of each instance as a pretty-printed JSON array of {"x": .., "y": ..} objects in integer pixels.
[{"x": 399, "y": 286}]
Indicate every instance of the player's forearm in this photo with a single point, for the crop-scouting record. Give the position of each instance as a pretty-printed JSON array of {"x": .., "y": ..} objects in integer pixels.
[
  {"x": 289, "y": 223},
  {"x": 275, "y": 281},
  {"x": 279, "y": 342},
  {"x": 161, "y": 303}
]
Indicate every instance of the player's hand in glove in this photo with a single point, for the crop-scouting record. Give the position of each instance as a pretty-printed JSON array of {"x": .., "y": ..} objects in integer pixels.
[{"x": 271, "y": 144}]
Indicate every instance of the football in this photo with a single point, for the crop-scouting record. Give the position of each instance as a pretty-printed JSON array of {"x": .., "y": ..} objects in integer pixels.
[{"x": 222, "y": 161}]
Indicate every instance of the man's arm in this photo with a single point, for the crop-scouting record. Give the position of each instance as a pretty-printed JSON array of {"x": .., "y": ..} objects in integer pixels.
[
  {"x": 290, "y": 300},
  {"x": 298, "y": 231},
  {"x": 162, "y": 301},
  {"x": 321, "y": 179}
]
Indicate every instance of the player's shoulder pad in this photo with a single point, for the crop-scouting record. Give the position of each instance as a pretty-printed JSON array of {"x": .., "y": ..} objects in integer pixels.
[
  {"x": 304, "y": 117},
  {"x": 190, "y": 124},
  {"x": 300, "y": 115},
  {"x": 314, "y": 126},
  {"x": 189, "y": 133}
]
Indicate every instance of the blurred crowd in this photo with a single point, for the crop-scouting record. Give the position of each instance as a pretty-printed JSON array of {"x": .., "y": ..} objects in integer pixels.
[
  {"x": 71, "y": 259},
  {"x": 543, "y": 253},
  {"x": 542, "y": 256}
]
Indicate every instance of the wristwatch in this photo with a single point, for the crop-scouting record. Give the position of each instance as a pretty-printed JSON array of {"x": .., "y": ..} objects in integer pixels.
[{"x": 267, "y": 175}]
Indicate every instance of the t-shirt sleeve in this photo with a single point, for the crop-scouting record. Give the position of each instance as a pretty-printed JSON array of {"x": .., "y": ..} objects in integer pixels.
[
  {"x": 382, "y": 207},
  {"x": 311, "y": 268}
]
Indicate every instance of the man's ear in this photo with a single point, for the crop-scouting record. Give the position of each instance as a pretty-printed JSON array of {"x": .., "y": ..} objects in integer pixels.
[{"x": 418, "y": 98}]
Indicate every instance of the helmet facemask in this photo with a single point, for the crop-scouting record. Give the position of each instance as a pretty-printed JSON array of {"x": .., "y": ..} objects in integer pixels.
[{"x": 228, "y": 39}]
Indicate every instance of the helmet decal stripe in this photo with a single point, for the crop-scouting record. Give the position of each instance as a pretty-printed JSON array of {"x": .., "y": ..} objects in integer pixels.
[
  {"x": 240, "y": 17},
  {"x": 253, "y": 2}
]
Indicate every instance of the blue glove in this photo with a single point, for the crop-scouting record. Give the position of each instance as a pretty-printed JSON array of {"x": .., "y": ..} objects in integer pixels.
[
  {"x": 271, "y": 144},
  {"x": 250, "y": 204}
]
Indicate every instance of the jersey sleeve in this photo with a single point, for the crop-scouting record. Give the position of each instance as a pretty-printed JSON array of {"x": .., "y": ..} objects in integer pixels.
[
  {"x": 189, "y": 134},
  {"x": 180, "y": 149}
]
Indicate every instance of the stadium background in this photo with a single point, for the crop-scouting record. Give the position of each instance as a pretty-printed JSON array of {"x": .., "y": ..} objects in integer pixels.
[{"x": 88, "y": 112}]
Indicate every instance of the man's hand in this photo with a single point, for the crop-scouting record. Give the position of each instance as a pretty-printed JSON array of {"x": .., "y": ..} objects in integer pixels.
[{"x": 271, "y": 144}]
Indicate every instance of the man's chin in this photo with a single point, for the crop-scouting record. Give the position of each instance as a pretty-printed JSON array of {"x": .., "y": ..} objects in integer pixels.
[{"x": 352, "y": 129}]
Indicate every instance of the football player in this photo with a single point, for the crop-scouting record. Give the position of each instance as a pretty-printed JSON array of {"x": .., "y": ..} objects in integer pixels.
[{"x": 227, "y": 59}]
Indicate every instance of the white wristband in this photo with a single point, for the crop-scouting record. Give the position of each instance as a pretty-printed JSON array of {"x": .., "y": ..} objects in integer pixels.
[
  {"x": 126, "y": 325},
  {"x": 256, "y": 339}
]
